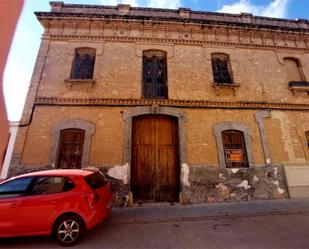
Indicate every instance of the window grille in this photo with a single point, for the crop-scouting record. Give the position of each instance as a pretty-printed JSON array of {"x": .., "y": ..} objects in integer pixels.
[
  {"x": 221, "y": 69},
  {"x": 154, "y": 74},
  {"x": 83, "y": 64},
  {"x": 234, "y": 149}
]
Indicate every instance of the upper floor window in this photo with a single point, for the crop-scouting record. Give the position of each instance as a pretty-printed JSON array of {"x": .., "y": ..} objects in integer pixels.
[
  {"x": 83, "y": 63},
  {"x": 154, "y": 74},
  {"x": 234, "y": 149},
  {"x": 293, "y": 70},
  {"x": 221, "y": 68}
]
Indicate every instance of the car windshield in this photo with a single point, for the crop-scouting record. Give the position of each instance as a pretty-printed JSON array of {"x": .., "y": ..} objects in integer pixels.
[
  {"x": 96, "y": 180},
  {"x": 15, "y": 187}
]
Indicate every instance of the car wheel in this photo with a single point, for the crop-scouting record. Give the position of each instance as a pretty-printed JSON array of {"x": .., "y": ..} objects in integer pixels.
[{"x": 68, "y": 230}]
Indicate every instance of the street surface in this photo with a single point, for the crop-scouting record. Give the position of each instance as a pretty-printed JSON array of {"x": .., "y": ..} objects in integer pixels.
[{"x": 273, "y": 231}]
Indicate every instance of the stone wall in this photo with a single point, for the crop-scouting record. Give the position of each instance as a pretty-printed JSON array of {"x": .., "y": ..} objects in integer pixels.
[{"x": 212, "y": 184}]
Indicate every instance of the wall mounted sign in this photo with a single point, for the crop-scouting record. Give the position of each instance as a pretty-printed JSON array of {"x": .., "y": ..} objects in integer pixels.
[{"x": 233, "y": 155}]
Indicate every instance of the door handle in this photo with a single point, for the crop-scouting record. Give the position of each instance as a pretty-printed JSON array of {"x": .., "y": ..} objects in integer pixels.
[
  {"x": 55, "y": 201},
  {"x": 14, "y": 204}
]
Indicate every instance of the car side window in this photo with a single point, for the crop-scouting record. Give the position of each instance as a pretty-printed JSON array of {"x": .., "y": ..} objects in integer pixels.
[
  {"x": 68, "y": 185},
  {"x": 15, "y": 188},
  {"x": 51, "y": 185},
  {"x": 47, "y": 185}
]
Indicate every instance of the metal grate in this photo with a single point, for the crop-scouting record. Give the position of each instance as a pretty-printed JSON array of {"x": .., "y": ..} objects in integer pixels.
[
  {"x": 220, "y": 69},
  {"x": 234, "y": 149},
  {"x": 83, "y": 65},
  {"x": 154, "y": 76}
]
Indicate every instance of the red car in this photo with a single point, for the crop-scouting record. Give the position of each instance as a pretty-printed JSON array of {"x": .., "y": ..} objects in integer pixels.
[{"x": 63, "y": 203}]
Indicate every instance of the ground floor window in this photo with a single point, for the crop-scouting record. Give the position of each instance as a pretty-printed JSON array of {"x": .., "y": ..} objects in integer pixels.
[
  {"x": 71, "y": 143},
  {"x": 234, "y": 149}
]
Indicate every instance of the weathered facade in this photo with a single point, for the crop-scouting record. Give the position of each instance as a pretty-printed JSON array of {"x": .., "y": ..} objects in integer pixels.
[{"x": 174, "y": 105}]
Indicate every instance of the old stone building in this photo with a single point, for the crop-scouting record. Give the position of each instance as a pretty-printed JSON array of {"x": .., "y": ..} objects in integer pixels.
[{"x": 174, "y": 105}]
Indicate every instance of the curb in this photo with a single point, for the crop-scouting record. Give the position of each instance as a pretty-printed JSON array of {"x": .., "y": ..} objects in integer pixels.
[{"x": 127, "y": 221}]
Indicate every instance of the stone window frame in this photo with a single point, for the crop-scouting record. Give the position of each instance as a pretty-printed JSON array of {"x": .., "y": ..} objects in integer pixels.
[
  {"x": 232, "y": 125},
  {"x": 89, "y": 129},
  {"x": 301, "y": 132},
  {"x": 128, "y": 116},
  {"x": 298, "y": 64},
  {"x": 299, "y": 83}
]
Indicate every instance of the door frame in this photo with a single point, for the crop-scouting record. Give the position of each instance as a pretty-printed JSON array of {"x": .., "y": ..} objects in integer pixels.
[{"x": 161, "y": 110}]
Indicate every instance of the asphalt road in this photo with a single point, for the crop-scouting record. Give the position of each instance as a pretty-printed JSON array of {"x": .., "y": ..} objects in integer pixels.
[{"x": 274, "y": 231}]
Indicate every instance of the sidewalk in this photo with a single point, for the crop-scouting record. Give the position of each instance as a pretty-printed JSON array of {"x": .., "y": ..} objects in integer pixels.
[{"x": 154, "y": 213}]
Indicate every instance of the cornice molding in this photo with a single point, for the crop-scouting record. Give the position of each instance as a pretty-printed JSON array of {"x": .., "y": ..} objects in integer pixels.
[
  {"x": 182, "y": 16},
  {"x": 98, "y": 29},
  {"x": 170, "y": 102},
  {"x": 243, "y": 44}
]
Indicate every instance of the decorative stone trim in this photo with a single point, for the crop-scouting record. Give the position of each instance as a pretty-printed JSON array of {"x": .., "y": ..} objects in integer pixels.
[
  {"x": 89, "y": 129},
  {"x": 218, "y": 87},
  {"x": 174, "y": 16},
  {"x": 87, "y": 82},
  {"x": 224, "y": 43},
  {"x": 168, "y": 49},
  {"x": 259, "y": 117},
  {"x": 301, "y": 132},
  {"x": 98, "y": 47},
  {"x": 171, "y": 103},
  {"x": 142, "y": 110},
  {"x": 123, "y": 9},
  {"x": 184, "y": 12},
  {"x": 299, "y": 86},
  {"x": 232, "y": 125}
]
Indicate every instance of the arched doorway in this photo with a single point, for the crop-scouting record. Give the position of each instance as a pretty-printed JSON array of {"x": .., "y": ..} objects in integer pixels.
[{"x": 155, "y": 175}]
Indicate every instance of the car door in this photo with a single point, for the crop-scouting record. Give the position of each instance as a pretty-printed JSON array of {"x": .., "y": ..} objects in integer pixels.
[
  {"x": 39, "y": 209},
  {"x": 11, "y": 194}
]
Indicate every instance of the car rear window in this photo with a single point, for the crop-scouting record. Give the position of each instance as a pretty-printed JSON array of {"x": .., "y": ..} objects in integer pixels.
[
  {"x": 51, "y": 185},
  {"x": 96, "y": 180}
]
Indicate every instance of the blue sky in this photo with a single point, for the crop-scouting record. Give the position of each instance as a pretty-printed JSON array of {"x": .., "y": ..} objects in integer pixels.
[{"x": 26, "y": 41}]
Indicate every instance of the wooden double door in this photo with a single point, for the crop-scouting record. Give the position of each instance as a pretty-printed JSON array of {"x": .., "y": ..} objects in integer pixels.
[{"x": 155, "y": 175}]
